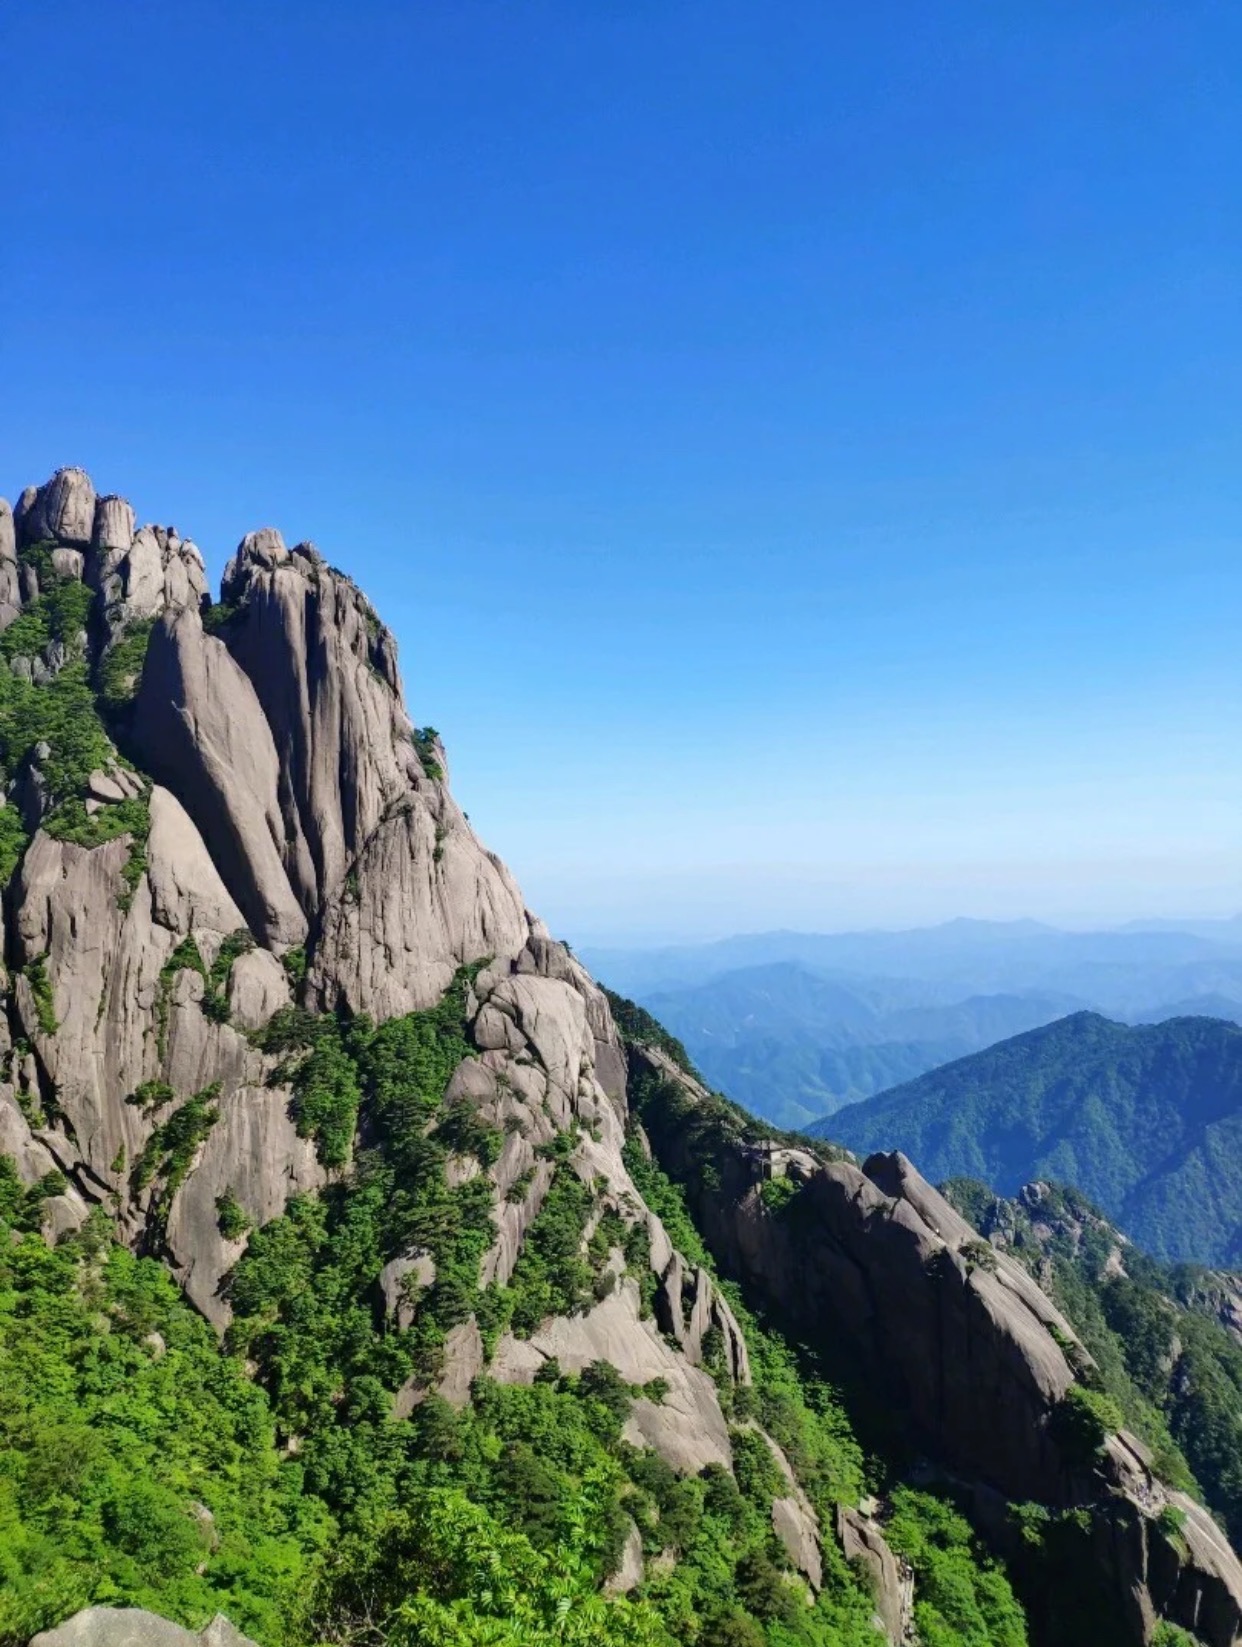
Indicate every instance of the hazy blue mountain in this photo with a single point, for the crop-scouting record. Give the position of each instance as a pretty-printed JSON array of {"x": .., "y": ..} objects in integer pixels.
[
  {"x": 1198, "y": 1006},
  {"x": 792, "y": 1044},
  {"x": 1144, "y": 1119},
  {"x": 797, "y": 1024},
  {"x": 1126, "y": 971}
]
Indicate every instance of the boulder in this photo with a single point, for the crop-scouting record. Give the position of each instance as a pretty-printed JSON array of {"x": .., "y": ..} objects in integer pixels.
[
  {"x": 892, "y": 1581},
  {"x": 629, "y": 1573},
  {"x": 135, "y": 1627},
  {"x": 62, "y": 510},
  {"x": 113, "y": 529}
]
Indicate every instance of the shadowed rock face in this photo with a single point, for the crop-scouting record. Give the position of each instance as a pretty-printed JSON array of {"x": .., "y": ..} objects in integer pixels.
[
  {"x": 301, "y": 844},
  {"x": 874, "y": 1266},
  {"x": 874, "y": 1261}
]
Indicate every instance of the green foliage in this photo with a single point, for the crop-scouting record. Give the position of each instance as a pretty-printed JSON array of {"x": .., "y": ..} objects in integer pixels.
[
  {"x": 758, "y": 1475},
  {"x": 551, "y": 1276},
  {"x": 64, "y": 714},
  {"x": 545, "y": 1462},
  {"x": 777, "y": 1193},
  {"x": 121, "y": 670},
  {"x": 1084, "y": 1419},
  {"x": 1143, "y": 1119},
  {"x": 462, "y": 1131},
  {"x": 962, "y": 1598},
  {"x": 965, "y": 1597},
  {"x": 186, "y": 957},
  {"x": 132, "y": 816},
  {"x": 230, "y": 1217},
  {"x": 1159, "y": 1350},
  {"x": 60, "y": 713},
  {"x": 219, "y": 615},
  {"x": 491, "y": 1525},
  {"x": 215, "y": 995},
  {"x": 35, "y": 972},
  {"x": 301, "y": 1294},
  {"x": 519, "y": 1189},
  {"x": 802, "y": 1413},
  {"x": 326, "y": 1093},
  {"x": 295, "y": 963},
  {"x": 979, "y": 1255},
  {"x": 27, "y": 635},
  {"x": 1172, "y": 1635},
  {"x": 13, "y": 841},
  {"x": 116, "y": 1445},
  {"x": 456, "y": 1576},
  {"x": 150, "y": 1095},
  {"x": 426, "y": 739},
  {"x": 169, "y": 1151}
]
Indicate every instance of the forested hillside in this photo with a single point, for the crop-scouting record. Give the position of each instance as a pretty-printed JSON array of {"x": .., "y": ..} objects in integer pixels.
[{"x": 1144, "y": 1120}]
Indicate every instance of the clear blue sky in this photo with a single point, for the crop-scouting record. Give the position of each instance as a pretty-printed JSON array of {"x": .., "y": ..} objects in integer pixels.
[{"x": 797, "y": 445}]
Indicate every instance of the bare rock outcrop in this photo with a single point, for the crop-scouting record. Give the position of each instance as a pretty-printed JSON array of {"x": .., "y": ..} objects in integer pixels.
[
  {"x": 135, "y": 1627},
  {"x": 63, "y": 510},
  {"x": 874, "y": 1266},
  {"x": 202, "y": 732},
  {"x": 875, "y": 1259},
  {"x": 324, "y": 672},
  {"x": 686, "y": 1426},
  {"x": 254, "y": 1154},
  {"x": 422, "y": 899},
  {"x": 892, "y": 1580}
]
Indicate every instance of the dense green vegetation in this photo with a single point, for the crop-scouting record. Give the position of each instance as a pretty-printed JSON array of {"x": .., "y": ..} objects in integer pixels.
[
  {"x": 965, "y": 1598},
  {"x": 303, "y": 1507},
  {"x": 961, "y": 1599},
  {"x": 547, "y": 1462},
  {"x": 1146, "y": 1121},
  {"x": 426, "y": 739},
  {"x": 1162, "y": 1356},
  {"x": 635, "y": 1023},
  {"x": 137, "y": 1463},
  {"x": 51, "y": 701}
]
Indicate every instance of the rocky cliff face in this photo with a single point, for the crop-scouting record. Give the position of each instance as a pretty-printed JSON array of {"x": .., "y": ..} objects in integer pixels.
[
  {"x": 253, "y": 818},
  {"x": 876, "y": 1268},
  {"x": 217, "y": 813}
]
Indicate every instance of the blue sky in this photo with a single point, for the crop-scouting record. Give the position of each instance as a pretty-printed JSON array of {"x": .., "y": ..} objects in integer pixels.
[{"x": 796, "y": 445}]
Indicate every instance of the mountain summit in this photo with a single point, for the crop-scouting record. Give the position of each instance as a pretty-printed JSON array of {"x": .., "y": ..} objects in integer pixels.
[{"x": 479, "y": 1252}]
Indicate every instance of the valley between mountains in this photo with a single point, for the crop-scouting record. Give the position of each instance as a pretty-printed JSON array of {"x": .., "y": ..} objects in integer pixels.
[{"x": 371, "y": 1275}]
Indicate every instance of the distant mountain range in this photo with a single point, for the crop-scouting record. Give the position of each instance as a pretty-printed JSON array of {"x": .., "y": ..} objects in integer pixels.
[
  {"x": 1145, "y": 1119},
  {"x": 796, "y": 1025}
]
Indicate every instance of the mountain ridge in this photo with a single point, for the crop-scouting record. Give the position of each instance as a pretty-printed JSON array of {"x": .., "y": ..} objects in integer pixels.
[
  {"x": 1141, "y": 1118},
  {"x": 482, "y": 1261}
]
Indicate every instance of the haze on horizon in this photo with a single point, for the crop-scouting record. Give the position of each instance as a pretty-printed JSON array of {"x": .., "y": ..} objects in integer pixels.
[{"x": 797, "y": 447}]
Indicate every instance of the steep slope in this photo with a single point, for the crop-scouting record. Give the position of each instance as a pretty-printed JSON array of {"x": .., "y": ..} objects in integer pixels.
[
  {"x": 1145, "y": 1120},
  {"x": 277, "y": 1026},
  {"x": 1167, "y": 1339},
  {"x": 961, "y": 1357}
]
